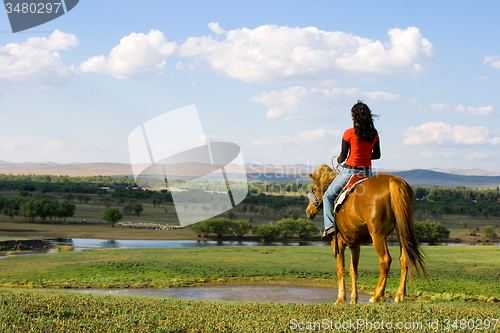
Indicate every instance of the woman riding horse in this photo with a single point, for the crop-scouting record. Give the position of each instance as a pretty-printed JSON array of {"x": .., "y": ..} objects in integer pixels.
[
  {"x": 363, "y": 145},
  {"x": 375, "y": 208}
]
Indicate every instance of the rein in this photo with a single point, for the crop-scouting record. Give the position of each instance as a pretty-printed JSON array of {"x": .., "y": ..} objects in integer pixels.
[{"x": 336, "y": 167}]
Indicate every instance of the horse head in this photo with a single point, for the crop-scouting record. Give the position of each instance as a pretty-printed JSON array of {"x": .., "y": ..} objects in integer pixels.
[{"x": 321, "y": 177}]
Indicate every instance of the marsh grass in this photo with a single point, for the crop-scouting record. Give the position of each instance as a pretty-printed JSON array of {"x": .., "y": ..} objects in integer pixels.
[
  {"x": 63, "y": 248},
  {"x": 37, "y": 311}
]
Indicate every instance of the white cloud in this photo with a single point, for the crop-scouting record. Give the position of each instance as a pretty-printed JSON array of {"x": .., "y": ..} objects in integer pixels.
[
  {"x": 292, "y": 103},
  {"x": 38, "y": 145},
  {"x": 55, "y": 145},
  {"x": 476, "y": 156},
  {"x": 209, "y": 138},
  {"x": 35, "y": 63},
  {"x": 481, "y": 78},
  {"x": 493, "y": 61},
  {"x": 476, "y": 111},
  {"x": 17, "y": 142},
  {"x": 426, "y": 154},
  {"x": 215, "y": 28},
  {"x": 305, "y": 137},
  {"x": 470, "y": 110},
  {"x": 136, "y": 55},
  {"x": 28, "y": 143},
  {"x": 440, "y": 107},
  {"x": 57, "y": 41},
  {"x": 336, "y": 150},
  {"x": 272, "y": 53},
  {"x": 408, "y": 52},
  {"x": 439, "y": 133}
]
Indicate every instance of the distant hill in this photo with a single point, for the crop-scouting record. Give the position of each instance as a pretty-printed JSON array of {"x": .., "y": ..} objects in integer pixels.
[
  {"x": 467, "y": 172},
  {"x": 423, "y": 177},
  {"x": 269, "y": 173},
  {"x": 70, "y": 169}
]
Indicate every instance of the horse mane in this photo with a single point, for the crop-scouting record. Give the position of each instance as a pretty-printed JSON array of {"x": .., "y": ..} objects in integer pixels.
[{"x": 325, "y": 174}]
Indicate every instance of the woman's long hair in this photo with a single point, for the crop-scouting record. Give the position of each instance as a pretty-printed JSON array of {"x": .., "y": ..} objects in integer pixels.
[{"x": 362, "y": 118}]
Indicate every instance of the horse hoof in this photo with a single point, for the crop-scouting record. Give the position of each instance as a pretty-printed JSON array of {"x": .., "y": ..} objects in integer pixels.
[
  {"x": 377, "y": 300},
  {"x": 354, "y": 301},
  {"x": 340, "y": 301},
  {"x": 399, "y": 299}
]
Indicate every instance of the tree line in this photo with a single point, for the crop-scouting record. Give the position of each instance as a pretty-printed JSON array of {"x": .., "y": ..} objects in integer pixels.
[
  {"x": 13, "y": 182},
  {"x": 221, "y": 227},
  {"x": 30, "y": 209},
  {"x": 432, "y": 202},
  {"x": 101, "y": 180},
  {"x": 287, "y": 227},
  {"x": 44, "y": 187},
  {"x": 157, "y": 197},
  {"x": 434, "y": 208},
  {"x": 459, "y": 192}
]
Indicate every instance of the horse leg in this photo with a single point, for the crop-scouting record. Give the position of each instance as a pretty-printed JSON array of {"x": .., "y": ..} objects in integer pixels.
[
  {"x": 400, "y": 296},
  {"x": 340, "y": 272},
  {"x": 353, "y": 273},
  {"x": 384, "y": 259}
]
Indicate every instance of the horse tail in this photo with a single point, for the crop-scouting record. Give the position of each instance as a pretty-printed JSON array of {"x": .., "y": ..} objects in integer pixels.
[{"x": 402, "y": 200}]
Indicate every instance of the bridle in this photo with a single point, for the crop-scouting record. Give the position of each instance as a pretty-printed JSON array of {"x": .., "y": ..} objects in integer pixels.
[{"x": 314, "y": 200}]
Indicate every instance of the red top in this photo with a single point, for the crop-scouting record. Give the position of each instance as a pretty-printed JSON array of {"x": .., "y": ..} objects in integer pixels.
[{"x": 360, "y": 153}]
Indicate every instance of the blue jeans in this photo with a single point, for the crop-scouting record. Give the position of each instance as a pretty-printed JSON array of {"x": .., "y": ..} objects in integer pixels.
[{"x": 334, "y": 190}]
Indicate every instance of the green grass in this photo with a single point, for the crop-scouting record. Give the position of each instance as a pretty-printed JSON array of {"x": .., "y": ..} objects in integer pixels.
[
  {"x": 452, "y": 223},
  {"x": 464, "y": 286},
  {"x": 151, "y": 214},
  {"x": 456, "y": 273},
  {"x": 89, "y": 230},
  {"x": 19, "y": 238},
  {"x": 37, "y": 311}
]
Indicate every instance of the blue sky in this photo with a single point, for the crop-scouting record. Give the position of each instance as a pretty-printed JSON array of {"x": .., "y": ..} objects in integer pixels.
[{"x": 276, "y": 77}]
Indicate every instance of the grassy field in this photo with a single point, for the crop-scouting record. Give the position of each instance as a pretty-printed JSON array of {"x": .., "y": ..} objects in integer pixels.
[
  {"x": 89, "y": 230},
  {"x": 464, "y": 286},
  {"x": 43, "y": 311},
  {"x": 452, "y": 223},
  {"x": 456, "y": 273}
]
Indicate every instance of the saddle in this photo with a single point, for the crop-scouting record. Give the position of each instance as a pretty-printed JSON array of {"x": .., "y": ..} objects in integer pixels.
[{"x": 353, "y": 183}]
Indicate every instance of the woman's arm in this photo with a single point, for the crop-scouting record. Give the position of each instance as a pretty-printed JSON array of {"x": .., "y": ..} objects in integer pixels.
[
  {"x": 343, "y": 153},
  {"x": 376, "y": 150}
]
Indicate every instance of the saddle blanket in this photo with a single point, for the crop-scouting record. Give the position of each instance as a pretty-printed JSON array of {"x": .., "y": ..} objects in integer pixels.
[{"x": 348, "y": 189}]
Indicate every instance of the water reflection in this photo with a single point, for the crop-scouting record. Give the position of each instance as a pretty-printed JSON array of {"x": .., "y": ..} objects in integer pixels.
[
  {"x": 240, "y": 293},
  {"x": 39, "y": 251},
  {"x": 127, "y": 244}
]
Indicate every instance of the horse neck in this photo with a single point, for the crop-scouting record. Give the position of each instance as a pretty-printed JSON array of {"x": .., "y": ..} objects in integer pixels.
[{"x": 328, "y": 177}]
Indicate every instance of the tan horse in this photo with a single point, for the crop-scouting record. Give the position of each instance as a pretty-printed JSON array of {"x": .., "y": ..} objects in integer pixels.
[{"x": 379, "y": 205}]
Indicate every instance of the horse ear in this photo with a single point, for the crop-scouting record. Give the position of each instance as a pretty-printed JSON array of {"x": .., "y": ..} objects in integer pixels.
[{"x": 310, "y": 175}]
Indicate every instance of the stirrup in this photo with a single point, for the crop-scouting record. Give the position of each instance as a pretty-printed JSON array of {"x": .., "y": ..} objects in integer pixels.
[{"x": 327, "y": 234}]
